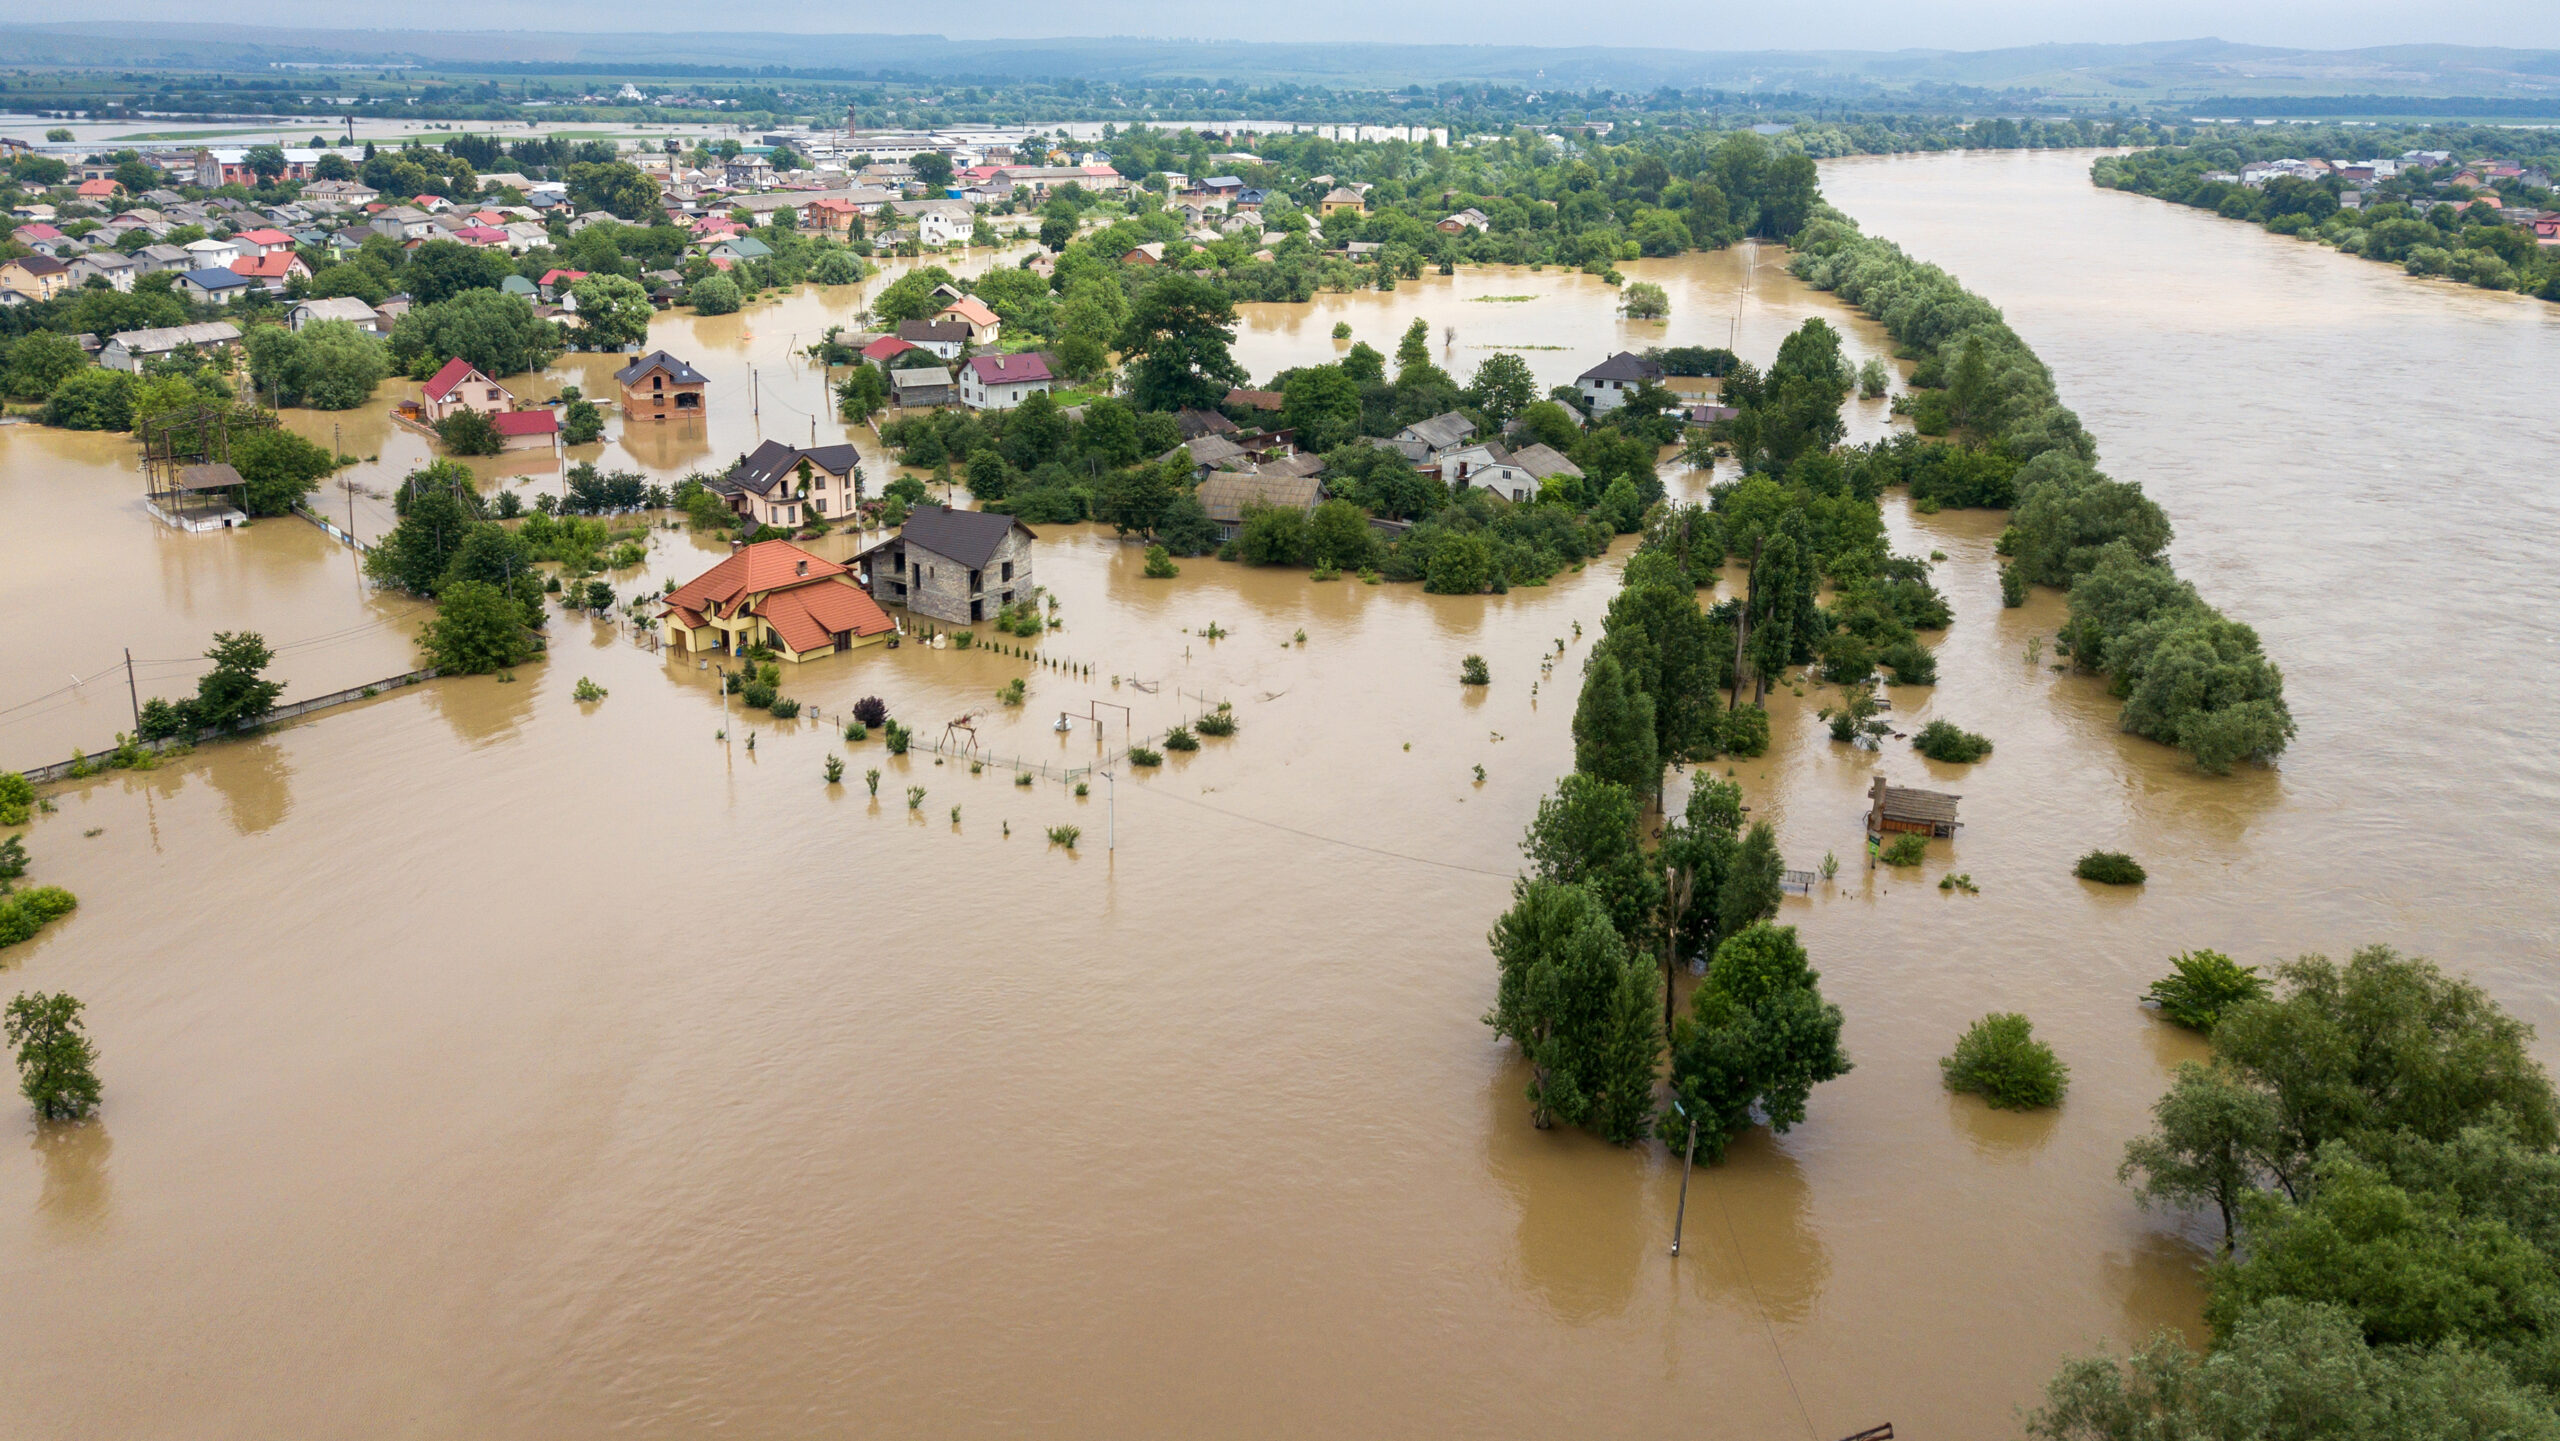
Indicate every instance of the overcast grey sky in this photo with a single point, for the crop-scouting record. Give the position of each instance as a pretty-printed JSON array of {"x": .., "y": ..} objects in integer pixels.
[{"x": 1681, "y": 24}]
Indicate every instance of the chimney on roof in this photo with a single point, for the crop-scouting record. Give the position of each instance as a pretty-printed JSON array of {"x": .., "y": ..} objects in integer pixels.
[
  {"x": 736, "y": 545},
  {"x": 802, "y": 568}
]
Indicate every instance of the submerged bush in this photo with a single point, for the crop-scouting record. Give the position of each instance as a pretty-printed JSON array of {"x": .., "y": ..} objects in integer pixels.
[
  {"x": 871, "y": 710},
  {"x": 1746, "y": 731},
  {"x": 1221, "y": 722},
  {"x": 2110, "y": 868},
  {"x": 1181, "y": 739},
  {"x": 1141, "y": 756},
  {"x": 2000, "y": 1060},
  {"x": 1906, "y": 849},
  {"x": 784, "y": 708},
  {"x": 1945, "y": 741},
  {"x": 26, "y": 912}
]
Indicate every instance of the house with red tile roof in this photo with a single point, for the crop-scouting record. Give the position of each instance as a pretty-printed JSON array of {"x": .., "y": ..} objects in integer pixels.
[
  {"x": 262, "y": 241},
  {"x": 886, "y": 349},
  {"x": 461, "y": 386},
  {"x": 273, "y": 268},
  {"x": 100, "y": 189},
  {"x": 773, "y": 593},
  {"x": 537, "y": 429}
]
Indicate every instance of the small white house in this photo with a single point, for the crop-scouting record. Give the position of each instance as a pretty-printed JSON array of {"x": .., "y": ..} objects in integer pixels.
[
  {"x": 1607, "y": 385},
  {"x": 1513, "y": 475},
  {"x": 1001, "y": 382},
  {"x": 211, "y": 254}
]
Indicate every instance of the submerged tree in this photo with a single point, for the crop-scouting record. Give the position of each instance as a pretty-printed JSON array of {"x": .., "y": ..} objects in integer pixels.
[
  {"x": 1585, "y": 834},
  {"x": 1580, "y": 1009},
  {"x": 54, "y": 1059},
  {"x": 1758, "y": 1036}
]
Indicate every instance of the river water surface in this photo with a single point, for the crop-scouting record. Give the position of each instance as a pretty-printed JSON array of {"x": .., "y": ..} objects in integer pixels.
[{"x": 479, "y": 1063}]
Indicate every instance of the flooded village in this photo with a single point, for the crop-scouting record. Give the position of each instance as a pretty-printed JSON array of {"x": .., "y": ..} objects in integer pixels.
[{"x": 485, "y": 1059}]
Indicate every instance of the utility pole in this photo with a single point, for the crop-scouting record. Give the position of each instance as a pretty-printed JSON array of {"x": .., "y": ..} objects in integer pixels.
[
  {"x": 1111, "y": 838},
  {"x": 755, "y": 391},
  {"x": 1680, "y": 1218},
  {"x": 132, "y": 690}
]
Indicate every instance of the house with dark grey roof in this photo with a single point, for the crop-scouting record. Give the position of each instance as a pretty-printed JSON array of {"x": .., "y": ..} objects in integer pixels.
[
  {"x": 789, "y": 485},
  {"x": 945, "y": 338},
  {"x": 658, "y": 385},
  {"x": 959, "y": 566},
  {"x": 1607, "y": 385}
]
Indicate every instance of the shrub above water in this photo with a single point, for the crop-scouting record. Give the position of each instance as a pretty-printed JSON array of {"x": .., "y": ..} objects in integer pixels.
[
  {"x": 2110, "y": 868},
  {"x": 2000, "y": 1060},
  {"x": 1945, "y": 741},
  {"x": 1473, "y": 671}
]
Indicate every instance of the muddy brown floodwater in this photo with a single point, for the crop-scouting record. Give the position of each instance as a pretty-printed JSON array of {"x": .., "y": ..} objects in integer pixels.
[{"x": 483, "y": 1064}]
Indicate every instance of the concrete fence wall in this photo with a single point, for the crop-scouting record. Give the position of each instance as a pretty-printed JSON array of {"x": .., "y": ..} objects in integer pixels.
[{"x": 84, "y": 765}]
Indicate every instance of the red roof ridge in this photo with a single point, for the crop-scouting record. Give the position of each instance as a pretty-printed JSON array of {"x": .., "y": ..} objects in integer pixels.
[{"x": 452, "y": 374}]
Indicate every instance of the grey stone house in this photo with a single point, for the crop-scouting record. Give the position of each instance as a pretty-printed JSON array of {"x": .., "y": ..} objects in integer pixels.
[{"x": 960, "y": 566}]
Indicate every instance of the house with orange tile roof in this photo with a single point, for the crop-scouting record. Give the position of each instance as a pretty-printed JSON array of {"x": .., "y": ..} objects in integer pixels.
[
  {"x": 972, "y": 312},
  {"x": 774, "y": 594},
  {"x": 272, "y": 269}
]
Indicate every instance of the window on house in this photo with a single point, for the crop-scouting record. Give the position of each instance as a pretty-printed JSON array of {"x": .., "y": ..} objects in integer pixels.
[{"x": 1008, "y": 570}]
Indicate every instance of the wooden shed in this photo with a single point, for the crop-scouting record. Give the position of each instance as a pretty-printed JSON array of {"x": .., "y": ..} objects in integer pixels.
[{"x": 1895, "y": 810}]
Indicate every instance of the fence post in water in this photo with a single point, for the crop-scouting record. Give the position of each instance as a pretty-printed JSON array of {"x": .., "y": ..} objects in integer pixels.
[{"x": 1681, "y": 1217}]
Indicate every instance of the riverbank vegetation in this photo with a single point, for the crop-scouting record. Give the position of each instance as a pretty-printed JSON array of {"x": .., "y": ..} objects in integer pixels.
[
  {"x": 2380, "y": 1148},
  {"x": 2459, "y": 202},
  {"x": 2189, "y": 676}
]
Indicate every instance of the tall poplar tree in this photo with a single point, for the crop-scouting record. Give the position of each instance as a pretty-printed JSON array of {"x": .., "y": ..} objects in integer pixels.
[
  {"x": 1613, "y": 733},
  {"x": 1580, "y": 1009}
]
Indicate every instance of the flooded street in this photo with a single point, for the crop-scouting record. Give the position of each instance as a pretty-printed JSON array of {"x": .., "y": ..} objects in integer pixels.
[{"x": 481, "y": 1063}]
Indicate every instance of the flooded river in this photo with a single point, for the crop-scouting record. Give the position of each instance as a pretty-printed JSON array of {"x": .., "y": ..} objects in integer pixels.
[{"x": 480, "y": 1063}]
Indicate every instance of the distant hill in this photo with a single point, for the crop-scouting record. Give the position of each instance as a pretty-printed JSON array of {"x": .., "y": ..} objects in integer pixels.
[{"x": 2167, "y": 73}]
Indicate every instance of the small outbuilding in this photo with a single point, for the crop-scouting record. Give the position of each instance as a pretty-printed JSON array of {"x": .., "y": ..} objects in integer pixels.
[{"x": 1901, "y": 810}]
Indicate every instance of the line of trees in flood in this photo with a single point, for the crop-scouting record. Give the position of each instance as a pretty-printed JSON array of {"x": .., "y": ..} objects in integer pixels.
[{"x": 2189, "y": 676}]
